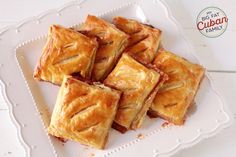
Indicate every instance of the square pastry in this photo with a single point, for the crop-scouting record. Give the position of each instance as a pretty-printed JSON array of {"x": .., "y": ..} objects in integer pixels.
[
  {"x": 137, "y": 83},
  {"x": 66, "y": 52},
  {"x": 83, "y": 112},
  {"x": 144, "y": 39},
  {"x": 112, "y": 42},
  {"x": 177, "y": 94}
]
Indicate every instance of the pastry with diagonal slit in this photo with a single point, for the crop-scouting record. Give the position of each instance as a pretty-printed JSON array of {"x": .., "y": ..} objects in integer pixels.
[
  {"x": 66, "y": 52},
  {"x": 84, "y": 112},
  {"x": 177, "y": 93},
  {"x": 139, "y": 85},
  {"x": 112, "y": 42},
  {"x": 144, "y": 39}
]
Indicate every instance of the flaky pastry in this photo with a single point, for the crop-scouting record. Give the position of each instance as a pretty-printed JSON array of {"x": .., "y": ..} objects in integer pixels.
[
  {"x": 84, "y": 112},
  {"x": 177, "y": 94},
  {"x": 66, "y": 52}
]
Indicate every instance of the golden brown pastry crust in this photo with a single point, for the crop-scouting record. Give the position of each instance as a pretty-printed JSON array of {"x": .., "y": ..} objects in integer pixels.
[
  {"x": 66, "y": 52},
  {"x": 112, "y": 42},
  {"x": 176, "y": 95},
  {"x": 148, "y": 102},
  {"x": 84, "y": 112},
  {"x": 136, "y": 82},
  {"x": 144, "y": 39}
]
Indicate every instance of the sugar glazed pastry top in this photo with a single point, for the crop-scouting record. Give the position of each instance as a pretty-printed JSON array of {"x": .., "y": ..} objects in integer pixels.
[
  {"x": 136, "y": 82},
  {"x": 112, "y": 42},
  {"x": 84, "y": 112},
  {"x": 66, "y": 52},
  {"x": 144, "y": 39},
  {"x": 177, "y": 94}
]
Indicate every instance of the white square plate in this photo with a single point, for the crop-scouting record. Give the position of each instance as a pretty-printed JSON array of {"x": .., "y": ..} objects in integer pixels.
[{"x": 31, "y": 102}]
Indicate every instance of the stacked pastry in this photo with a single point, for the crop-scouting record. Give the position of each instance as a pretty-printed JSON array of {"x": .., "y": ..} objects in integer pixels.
[{"x": 113, "y": 75}]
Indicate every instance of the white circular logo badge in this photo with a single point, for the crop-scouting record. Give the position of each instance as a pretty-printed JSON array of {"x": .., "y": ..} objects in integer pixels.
[{"x": 212, "y": 22}]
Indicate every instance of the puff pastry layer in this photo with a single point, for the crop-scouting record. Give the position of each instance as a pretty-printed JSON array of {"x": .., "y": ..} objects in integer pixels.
[
  {"x": 66, "y": 52},
  {"x": 112, "y": 42},
  {"x": 144, "y": 39},
  {"x": 84, "y": 112},
  {"x": 178, "y": 92},
  {"x": 137, "y": 82}
]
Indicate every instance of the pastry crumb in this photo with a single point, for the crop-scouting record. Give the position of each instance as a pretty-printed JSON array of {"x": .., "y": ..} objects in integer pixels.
[
  {"x": 92, "y": 155},
  {"x": 140, "y": 136},
  {"x": 62, "y": 139},
  {"x": 165, "y": 124},
  {"x": 86, "y": 147}
]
